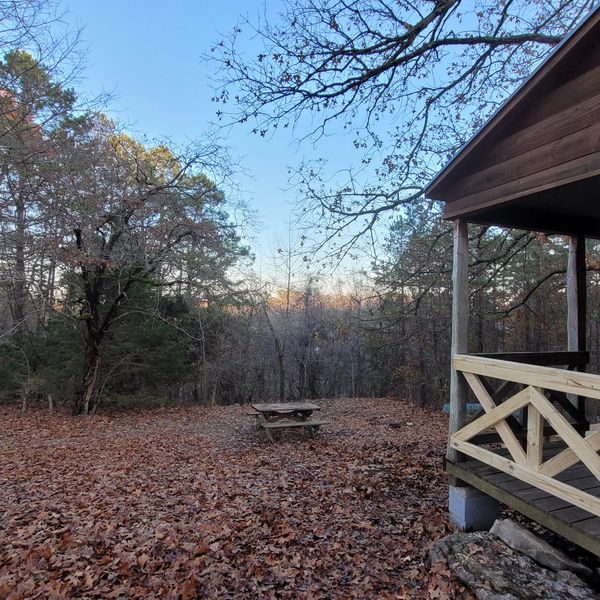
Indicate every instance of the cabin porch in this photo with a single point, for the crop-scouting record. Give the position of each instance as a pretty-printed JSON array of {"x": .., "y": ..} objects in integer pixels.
[
  {"x": 530, "y": 446},
  {"x": 571, "y": 522},
  {"x": 535, "y": 165}
]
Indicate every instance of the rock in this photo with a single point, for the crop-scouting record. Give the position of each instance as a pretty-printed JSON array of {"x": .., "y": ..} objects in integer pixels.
[
  {"x": 494, "y": 571},
  {"x": 523, "y": 540}
]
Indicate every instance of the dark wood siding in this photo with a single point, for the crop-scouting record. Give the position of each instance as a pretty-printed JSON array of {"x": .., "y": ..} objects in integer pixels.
[
  {"x": 545, "y": 157},
  {"x": 549, "y": 138}
]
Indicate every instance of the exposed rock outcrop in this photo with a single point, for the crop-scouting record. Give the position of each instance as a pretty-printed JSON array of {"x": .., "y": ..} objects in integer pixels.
[
  {"x": 523, "y": 540},
  {"x": 492, "y": 570}
]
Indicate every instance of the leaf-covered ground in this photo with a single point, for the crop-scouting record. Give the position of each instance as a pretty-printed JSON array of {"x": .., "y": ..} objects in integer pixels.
[{"x": 195, "y": 503}]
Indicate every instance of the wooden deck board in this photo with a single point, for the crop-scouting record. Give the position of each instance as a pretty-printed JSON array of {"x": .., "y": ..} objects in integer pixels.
[
  {"x": 575, "y": 524},
  {"x": 530, "y": 494},
  {"x": 511, "y": 485},
  {"x": 575, "y": 472},
  {"x": 591, "y": 526},
  {"x": 571, "y": 514}
]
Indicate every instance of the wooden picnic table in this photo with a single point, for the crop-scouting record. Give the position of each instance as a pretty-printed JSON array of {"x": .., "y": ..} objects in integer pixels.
[
  {"x": 283, "y": 415},
  {"x": 285, "y": 409}
]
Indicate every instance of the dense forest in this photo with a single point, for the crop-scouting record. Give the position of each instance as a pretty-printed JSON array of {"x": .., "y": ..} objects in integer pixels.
[
  {"x": 117, "y": 286},
  {"x": 125, "y": 277}
]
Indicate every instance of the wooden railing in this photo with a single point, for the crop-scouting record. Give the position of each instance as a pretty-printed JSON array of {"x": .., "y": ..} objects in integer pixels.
[
  {"x": 568, "y": 359},
  {"x": 574, "y": 407},
  {"x": 526, "y": 460}
]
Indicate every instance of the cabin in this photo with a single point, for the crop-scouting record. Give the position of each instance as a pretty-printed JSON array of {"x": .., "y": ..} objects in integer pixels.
[{"x": 534, "y": 166}]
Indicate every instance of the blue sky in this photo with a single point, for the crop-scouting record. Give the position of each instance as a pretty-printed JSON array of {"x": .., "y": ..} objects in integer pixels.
[{"x": 148, "y": 52}]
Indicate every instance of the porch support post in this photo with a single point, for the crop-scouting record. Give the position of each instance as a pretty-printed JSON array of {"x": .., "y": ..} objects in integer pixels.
[
  {"x": 469, "y": 507},
  {"x": 576, "y": 296},
  {"x": 460, "y": 323},
  {"x": 576, "y": 300}
]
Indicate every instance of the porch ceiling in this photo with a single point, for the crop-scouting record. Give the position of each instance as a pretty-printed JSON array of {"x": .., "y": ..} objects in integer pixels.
[{"x": 572, "y": 209}]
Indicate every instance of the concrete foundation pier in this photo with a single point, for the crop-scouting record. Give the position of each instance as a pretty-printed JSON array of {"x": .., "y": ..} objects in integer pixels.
[{"x": 471, "y": 509}]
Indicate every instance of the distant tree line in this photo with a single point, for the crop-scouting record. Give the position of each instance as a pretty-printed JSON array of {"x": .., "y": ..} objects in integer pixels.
[
  {"x": 517, "y": 282},
  {"x": 116, "y": 281}
]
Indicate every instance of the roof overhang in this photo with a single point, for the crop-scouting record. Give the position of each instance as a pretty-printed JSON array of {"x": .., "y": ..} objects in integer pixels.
[{"x": 540, "y": 207}]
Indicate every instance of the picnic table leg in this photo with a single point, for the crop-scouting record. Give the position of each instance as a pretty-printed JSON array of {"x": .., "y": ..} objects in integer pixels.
[
  {"x": 303, "y": 415},
  {"x": 270, "y": 436}
]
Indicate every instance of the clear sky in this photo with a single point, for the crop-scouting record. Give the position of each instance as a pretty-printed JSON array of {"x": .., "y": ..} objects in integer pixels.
[{"x": 148, "y": 52}]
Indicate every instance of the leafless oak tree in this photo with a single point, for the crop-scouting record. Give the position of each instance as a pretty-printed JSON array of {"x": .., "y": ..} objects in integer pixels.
[{"x": 412, "y": 79}]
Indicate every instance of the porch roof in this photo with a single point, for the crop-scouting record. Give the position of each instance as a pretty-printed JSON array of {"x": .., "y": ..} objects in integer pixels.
[{"x": 536, "y": 163}]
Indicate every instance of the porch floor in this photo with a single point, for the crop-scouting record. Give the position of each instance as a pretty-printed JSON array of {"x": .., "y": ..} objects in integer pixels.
[{"x": 571, "y": 522}]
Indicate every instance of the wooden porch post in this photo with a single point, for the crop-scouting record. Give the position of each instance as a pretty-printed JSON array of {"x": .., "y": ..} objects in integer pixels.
[
  {"x": 576, "y": 294},
  {"x": 460, "y": 322},
  {"x": 576, "y": 299}
]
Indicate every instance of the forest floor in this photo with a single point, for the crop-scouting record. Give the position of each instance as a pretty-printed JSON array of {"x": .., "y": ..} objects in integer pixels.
[{"x": 195, "y": 503}]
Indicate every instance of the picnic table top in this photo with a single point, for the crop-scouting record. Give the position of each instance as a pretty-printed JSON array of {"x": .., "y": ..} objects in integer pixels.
[{"x": 285, "y": 407}]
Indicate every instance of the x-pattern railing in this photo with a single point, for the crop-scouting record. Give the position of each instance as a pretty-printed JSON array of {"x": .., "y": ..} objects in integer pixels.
[{"x": 527, "y": 463}]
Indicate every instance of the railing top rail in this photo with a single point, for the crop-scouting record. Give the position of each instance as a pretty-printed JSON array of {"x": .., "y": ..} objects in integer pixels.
[
  {"x": 575, "y": 358},
  {"x": 550, "y": 378}
]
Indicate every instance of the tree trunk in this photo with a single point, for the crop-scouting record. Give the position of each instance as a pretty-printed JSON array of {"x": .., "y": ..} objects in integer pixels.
[
  {"x": 86, "y": 402},
  {"x": 281, "y": 363},
  {"x": 479, "y": 321},
  {"x": 19, "y": 280},
  {"x": 280, "y": 348}
]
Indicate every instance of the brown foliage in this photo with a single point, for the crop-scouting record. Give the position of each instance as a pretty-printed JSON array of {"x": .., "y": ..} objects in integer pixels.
[{"x": 193, "y": 503}]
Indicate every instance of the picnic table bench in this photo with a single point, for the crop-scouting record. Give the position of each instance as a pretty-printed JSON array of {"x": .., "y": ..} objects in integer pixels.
[{"x": 286, "y": 415}]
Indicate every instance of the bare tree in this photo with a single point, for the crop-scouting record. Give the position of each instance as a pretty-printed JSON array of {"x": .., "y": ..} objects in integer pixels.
[
  {"x": 413, "y": 79},
  {"x": 130, "y": 215}
]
